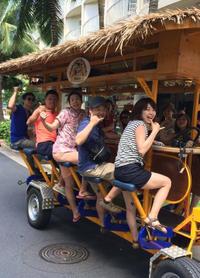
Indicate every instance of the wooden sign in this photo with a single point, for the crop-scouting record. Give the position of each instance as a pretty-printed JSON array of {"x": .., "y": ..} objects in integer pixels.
[{"x": 78, "y": 70}]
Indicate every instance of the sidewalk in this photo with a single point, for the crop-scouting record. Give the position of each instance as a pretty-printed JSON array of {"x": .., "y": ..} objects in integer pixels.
[{"x": 12, "y": 154}]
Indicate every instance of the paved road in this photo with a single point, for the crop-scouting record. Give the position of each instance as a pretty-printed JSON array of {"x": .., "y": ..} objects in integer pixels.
[{"x": 109, "y": 256}]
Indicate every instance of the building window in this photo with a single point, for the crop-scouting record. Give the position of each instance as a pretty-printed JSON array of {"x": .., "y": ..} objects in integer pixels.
[{"x": 132, "y": 6}]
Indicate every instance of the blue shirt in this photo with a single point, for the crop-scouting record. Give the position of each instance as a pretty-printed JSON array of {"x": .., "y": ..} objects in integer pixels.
[
  {"x": 85, "y": 162},
  {"x": 18, "y": 127}
]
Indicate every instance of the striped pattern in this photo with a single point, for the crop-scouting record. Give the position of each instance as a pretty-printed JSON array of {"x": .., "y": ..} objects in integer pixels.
[{"x": 127, "y": 150}]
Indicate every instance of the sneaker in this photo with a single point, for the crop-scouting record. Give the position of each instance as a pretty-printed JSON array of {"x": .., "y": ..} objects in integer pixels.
[
  {"x": 109, "y": 206},
  {"x": 59, "y": 189}
]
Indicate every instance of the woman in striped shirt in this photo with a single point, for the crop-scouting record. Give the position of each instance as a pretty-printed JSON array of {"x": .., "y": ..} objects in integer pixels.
[{"x": 129, "y": 163}]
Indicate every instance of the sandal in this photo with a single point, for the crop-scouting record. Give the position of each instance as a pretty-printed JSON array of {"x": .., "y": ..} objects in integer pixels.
[
  {"x": 76, "y": 219},
  {"x": 151, "y": 224},
  {"x": 86, "y": 196},
  {"x": 135, "y": 244}
]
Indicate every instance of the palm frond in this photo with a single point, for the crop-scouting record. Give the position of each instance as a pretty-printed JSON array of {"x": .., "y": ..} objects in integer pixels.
[
  {"x": 7, "y": 34},
  {"x": 24, "y": 18},
  {"x": 27, "y": 45},
  {"x": 47, "y": 14},
  {"x": 6, "y": 10}
]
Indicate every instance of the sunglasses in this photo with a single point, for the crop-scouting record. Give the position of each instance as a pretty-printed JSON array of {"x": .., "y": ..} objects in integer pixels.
[{"x": 30, "y": 99}]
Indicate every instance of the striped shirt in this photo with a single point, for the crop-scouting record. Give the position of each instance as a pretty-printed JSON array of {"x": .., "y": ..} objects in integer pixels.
[{"x": 127, "y": 150}]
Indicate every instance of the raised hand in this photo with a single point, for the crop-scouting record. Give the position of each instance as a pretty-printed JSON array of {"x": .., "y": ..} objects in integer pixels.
[
  {"x": 42, "y": 108},
  {"x": 43, "y": 115},
  {"x": 95, "y": 120},
  {"x": 155, "y": 127},
  {"x": 16, "y": 89}
]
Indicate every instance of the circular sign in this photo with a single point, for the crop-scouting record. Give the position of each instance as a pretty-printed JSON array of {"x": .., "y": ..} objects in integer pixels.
[{"x": 78, "y": 70}]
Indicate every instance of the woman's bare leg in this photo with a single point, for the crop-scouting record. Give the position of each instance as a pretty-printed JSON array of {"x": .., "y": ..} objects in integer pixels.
[
  {"x": 69, "y": 190},
  {"x": 112, "y": 194},
  {"x": 131, "y": 215},
  {"x": 66, "y": 157},
  {"x": 163, "y": 184},
  {"x": 71, "y": 157},
  {"x": 99, "y": 208}
]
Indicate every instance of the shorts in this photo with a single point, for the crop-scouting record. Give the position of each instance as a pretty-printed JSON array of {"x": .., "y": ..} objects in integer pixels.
[
  {"x": 104, "y": 171},
  {"x": 133, "y": 173},
  {"x": 45, "y": 148}
]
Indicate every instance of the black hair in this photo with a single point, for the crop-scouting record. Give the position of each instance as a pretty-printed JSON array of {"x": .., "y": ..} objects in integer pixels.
[
  {"x": 170, "y": 106},
  {"x": 177, "y": 118},
  {"x": 51, "y": 92},
  {"x": 77, "y": 93},
  {"x": 25, "y": 95},
  {"x": 141, "y": 105},
  {"x": 124, "y": 113}
]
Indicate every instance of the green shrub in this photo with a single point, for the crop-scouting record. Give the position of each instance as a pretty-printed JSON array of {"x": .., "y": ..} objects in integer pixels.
[{"x": 5, "y": 131}]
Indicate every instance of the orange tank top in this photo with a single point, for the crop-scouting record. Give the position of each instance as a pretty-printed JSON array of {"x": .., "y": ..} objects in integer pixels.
[{"x": 43, "y": 134}]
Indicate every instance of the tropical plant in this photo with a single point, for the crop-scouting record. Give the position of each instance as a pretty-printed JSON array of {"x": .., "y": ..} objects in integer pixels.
[
  {"x": 8, "y": 28},
  {"x": 19, "y": 19},
  {"x": 5, "y": 131},
  {"x": 44, "y": 15}
]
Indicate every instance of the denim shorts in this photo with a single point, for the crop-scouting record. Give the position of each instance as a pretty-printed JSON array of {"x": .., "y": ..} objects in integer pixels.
[
  {"x": 133, "y": 173},
  {"x": 45, "y": 148}
]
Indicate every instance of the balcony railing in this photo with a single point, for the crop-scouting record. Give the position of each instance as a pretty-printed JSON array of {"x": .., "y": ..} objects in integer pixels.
[
  {"x": 72, "y": 5},
  {"x": 91, "y": 25},
  {"x": 73, "y": 34},
  {"x": 119, "y": 10},
  {"x": 163, "y": 3}
]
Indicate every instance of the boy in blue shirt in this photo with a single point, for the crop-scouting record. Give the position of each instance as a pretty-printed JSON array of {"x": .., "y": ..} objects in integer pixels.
[{"x": 20, "y": 113}]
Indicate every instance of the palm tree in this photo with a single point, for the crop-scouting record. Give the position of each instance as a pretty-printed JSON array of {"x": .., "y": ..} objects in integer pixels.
[
  {"x": 19, "y": 19},
  {"x": 43, "y": 15},
  {"x": 8, "y": 28},
  {"x": 153, "y": 6}
]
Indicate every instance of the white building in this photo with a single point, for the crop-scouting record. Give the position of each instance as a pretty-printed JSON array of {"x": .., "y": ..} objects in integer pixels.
[
  {"x": 84, "y": 16},
  {"x": 80, "y": 18}
]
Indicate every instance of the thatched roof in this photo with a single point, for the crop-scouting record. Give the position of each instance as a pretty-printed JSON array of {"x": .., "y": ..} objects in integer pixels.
[{"x": 132, "y": 30}]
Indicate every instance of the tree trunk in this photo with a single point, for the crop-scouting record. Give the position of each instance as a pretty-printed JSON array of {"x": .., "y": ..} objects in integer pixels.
[
  {"x": 101, "y": 7},
  {"x": 1, "y": 101},
  {"x": 153, "y": 6}
]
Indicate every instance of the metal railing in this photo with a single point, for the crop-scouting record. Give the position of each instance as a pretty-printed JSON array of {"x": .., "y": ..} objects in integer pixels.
[
  {"x": 70, "y": 5},
  {"x": 91, "y": 25},
  {"x": 73, "y": 34},
  {"x": 119, "y": 10}
]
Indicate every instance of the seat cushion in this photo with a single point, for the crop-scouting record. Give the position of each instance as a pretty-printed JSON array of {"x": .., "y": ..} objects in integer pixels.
[
  {"x": 67, "y": 164},
  {"x": 124, "y": 186},
  {"x": 14, "y": 147},
  {"x": 29, "y": 151}
]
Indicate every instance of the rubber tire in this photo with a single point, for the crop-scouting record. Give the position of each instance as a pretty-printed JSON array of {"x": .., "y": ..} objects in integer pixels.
[
  {"x": 183, "y": 267},
  {"x": 43, "y": 218}
]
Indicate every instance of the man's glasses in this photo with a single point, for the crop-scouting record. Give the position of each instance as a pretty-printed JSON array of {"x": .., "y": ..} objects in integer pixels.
[{"x": 30, "y": 99}]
